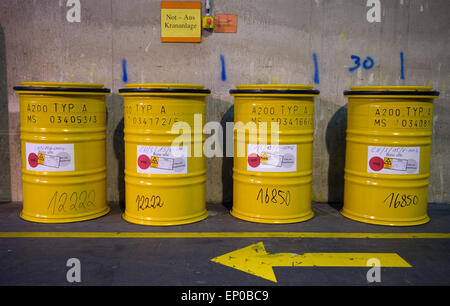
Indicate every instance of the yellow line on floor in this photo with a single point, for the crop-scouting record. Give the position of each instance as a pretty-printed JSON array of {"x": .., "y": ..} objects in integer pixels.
[{"x": 222, "y": 235}]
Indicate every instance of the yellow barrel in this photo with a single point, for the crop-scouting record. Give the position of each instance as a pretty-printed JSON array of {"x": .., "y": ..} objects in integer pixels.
[
  {"x": 387, "y": 162},
  {"x": 272, "y": 171},
  {"x": 165, "y": 183},
  {"x": 63, "y": 138}
]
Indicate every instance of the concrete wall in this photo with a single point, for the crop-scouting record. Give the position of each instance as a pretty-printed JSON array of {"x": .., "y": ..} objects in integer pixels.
[
  {"x": 5, "y": 178},
  {"x": 275, "y": 43}
]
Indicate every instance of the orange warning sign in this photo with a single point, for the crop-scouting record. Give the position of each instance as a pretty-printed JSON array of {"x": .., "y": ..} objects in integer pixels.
[{"x": 225, "y": 23}]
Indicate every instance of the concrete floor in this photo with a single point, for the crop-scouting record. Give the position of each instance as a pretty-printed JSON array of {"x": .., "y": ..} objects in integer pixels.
[{"x": 184, "y": 259}]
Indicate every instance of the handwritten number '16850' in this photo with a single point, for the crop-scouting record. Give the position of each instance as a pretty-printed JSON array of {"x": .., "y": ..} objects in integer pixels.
[
  {"x": 401, "y": 200},
  {"x": 274, "y": 195}
]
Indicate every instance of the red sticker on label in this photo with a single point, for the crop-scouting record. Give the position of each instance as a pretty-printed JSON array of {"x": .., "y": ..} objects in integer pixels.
[
  {"x": 33, "y": 160},
  {"x": 254, "y": 160},
  {"x": 143, "y": 161},
  {"x": 376, "y": 163}
]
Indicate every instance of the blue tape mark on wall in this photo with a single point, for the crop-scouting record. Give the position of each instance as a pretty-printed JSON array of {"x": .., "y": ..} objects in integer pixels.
[
  {"x": 402, "y": 67},
  {"x": 124, "y": 70},
  {"x": 316, "y": 69},
  {"x": 223, "y": 74}
]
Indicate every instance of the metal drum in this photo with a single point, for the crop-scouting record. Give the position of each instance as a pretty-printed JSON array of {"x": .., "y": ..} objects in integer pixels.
[
  {"x": 165, "y": 184},
  {"x": 63, "y": 138},
  {"x": 387, "y": 164},
  {"x": 273, "y": 150}
]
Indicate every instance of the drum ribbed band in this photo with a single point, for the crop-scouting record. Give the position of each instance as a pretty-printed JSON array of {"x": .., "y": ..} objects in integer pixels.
[
  {"x": 61, "y": 89},
  {"x": 391, "y": 93},
  {"x": 165, "y": 90},
  {"x": 274, "y": 91}
]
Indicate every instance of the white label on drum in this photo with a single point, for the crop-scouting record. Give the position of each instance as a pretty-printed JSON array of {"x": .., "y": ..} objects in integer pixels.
[
  {"x": 50, "y": 157},
  {"x": 271, "y": 158},
  {"x": 161, "y": 160},
  {"x": 393, "y": 160}
]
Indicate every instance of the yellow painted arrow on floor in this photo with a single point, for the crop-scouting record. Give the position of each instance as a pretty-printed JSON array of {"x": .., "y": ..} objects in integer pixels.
[{"x": 255, "y": 260}]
